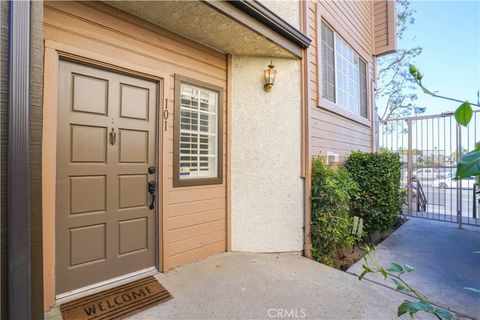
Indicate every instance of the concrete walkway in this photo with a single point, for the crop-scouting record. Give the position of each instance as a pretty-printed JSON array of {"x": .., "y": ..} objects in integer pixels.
[
  {"x": 267, "y": 286},
  {"x": 444, "y": 262}
]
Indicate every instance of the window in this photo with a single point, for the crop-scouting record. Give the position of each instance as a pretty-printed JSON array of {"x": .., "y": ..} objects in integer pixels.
[
  {"x": 198, "y": 132},
  {"x": 344, "y": 73}
]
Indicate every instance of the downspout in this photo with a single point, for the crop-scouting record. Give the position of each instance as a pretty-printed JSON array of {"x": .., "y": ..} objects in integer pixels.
[
  {"x": 18, "y": 214},
  {"x": 307, "y": 243}
]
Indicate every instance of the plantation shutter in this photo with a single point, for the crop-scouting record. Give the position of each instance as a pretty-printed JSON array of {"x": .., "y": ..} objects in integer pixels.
[{"x": 198, "y": 132}]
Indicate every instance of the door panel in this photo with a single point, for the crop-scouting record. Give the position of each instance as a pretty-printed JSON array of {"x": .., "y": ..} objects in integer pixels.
[
  {"x": 105, "y": 144},
  {"x": 88, "y": 143},
  {"x": 87, "y": 244},
  {"x": 89, "y": 94},
  {"x": 132, "y": 191},
  {"x": 133, "y": 235},
  {"x": 88, "y": 194},
  {"x": 134, "y": 102},
  {"x": 133, "y": 146}
]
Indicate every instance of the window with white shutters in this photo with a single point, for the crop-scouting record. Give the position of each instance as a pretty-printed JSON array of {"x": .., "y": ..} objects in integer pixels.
[{"x": 198, "y": 134}]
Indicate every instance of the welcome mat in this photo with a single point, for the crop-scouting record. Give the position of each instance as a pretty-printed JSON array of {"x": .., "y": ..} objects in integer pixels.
[{"x": 118, "y": 302}]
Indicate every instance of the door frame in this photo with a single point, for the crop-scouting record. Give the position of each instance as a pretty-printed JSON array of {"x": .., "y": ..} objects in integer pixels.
[{"x": 53, "y": 53}]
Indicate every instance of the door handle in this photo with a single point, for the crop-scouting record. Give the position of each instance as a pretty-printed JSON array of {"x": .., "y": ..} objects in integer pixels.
[{"x": 152, "y": 191}]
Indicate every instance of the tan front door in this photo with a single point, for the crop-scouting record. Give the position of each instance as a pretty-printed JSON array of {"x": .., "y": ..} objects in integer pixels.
[{"x": 105, "y": 146}]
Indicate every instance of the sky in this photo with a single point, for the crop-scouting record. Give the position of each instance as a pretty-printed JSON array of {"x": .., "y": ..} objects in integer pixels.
[{"x": 449, "y": 32}]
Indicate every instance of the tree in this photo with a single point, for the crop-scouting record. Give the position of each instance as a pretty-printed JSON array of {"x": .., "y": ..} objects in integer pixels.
[{"x": 395, "y": 85}]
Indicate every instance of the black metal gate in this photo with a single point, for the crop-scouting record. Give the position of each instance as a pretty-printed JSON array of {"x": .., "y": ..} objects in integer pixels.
[{"x": 429, "y": 147}]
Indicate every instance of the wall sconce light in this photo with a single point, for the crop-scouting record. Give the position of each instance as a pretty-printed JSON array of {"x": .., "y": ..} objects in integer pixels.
[{"x": 269, "y": 77}]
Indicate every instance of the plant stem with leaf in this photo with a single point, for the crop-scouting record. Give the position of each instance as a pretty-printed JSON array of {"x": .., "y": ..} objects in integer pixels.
[
  {"x": 394, "y": 273},
  {"x": 469, "y": 163}
]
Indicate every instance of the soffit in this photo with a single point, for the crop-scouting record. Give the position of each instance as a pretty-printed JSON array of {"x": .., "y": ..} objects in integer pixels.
[{"x": 203, "y": 24}]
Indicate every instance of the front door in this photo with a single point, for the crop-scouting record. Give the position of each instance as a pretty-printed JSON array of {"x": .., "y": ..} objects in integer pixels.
[{"x": 105, "y": 219}]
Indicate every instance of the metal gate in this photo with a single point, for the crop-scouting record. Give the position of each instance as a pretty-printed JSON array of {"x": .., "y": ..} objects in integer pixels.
[{"x": 429, "y": 147}]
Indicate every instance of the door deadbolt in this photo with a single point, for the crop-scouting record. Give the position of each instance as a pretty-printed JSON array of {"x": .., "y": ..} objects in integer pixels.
[{"x": 151, "y": 170}]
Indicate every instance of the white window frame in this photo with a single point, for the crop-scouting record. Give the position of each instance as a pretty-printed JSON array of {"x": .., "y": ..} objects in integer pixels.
[{"x": 333, "y": 106}]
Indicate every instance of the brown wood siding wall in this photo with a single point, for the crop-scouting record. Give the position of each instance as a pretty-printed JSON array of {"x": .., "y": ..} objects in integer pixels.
[
  {"x": 330, "y": 131},
  {"x": 381, "y": 27},
  {"x": 384, "y": 25},
  {"x": 194, "y": 217},
  {"x": 36, "y": 118}
]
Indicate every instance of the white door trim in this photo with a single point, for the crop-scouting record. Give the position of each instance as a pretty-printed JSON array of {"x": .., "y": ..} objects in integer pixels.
[{"x": 99, "y": 286}]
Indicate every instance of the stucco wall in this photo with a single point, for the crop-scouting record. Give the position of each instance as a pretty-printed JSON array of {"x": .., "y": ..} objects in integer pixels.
[
  {"x": 288, "y": 10},
  {"x": 267, "y": 190}
]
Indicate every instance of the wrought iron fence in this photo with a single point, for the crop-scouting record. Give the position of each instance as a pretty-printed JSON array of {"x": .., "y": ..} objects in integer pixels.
[{"x": 429, "y": 147}]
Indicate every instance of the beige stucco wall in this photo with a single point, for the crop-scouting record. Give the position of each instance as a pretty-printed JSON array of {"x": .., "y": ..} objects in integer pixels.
[
  {"x": 267, "y": 190},
  {"x": 289, "y": 10}
]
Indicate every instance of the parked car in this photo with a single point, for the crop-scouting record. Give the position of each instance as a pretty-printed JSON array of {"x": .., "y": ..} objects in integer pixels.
[
  {"x": 429, "y": 175},
  {"x": 426, "y": 174},
  {"x": 450, "y": 182}
]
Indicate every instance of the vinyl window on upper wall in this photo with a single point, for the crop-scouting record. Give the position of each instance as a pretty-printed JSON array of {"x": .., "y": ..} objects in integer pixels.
[
  {"x": 198, "y": 133},
  {"x": 344, "y": 73}
]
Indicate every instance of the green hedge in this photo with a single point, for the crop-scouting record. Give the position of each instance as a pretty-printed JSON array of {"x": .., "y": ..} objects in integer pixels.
[
  {"x": 331, "y": 225},
  {"x": 380, "y": 200}
]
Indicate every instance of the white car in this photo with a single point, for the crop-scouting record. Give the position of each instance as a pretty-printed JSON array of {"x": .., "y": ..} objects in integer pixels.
[{"x": 445, "y": 183}]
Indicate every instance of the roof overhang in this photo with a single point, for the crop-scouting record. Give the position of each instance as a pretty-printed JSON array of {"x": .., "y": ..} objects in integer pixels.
[
  {"x": 230, "y": 27},
  {"x": 262, "y": 14}
]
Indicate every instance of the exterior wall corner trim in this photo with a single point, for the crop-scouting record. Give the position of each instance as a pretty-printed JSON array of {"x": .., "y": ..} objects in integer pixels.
[{"x": 19, "y": 269}]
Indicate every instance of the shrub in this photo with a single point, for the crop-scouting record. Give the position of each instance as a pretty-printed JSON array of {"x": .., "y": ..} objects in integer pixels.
[
  {"x": 332, "y": 191},
  {"x": 380, "y": 200}
]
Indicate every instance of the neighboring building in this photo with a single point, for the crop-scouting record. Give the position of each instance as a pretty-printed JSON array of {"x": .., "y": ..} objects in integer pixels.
[{"x": 110, "y": 103}]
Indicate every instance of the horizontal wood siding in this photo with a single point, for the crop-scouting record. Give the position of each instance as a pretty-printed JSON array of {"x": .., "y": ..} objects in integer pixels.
[
  {"x": 384, "y": 25},
  {"x": 352, "y": 20},
  {"x": 194, "y": 217}
]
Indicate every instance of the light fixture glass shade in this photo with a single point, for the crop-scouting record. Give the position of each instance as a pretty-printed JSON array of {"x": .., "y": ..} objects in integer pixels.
[{"x": 269, "y": 73}]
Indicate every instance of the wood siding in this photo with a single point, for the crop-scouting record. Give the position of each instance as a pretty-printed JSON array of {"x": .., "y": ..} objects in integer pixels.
[
  {"x": 384, "y": 27},
  {"x": 36, "y": 116},
  {"x": 194, "y": 218},
  {"x": 332, "y": 131}
]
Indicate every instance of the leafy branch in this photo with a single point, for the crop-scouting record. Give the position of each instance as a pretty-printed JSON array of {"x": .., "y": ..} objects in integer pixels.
[
  {"x": 469, "y": 164},
  {"x": 418, "y": 76},
  {"x": 394, "y": 273}
]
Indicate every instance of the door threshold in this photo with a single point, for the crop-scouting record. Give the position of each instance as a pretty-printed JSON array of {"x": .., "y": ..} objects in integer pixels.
[{"x": 100, "y": 286}]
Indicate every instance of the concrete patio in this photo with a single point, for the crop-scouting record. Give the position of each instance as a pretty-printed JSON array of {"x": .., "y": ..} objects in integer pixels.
[
  {"x": 267, "y": 286},
  {"x": 444, "y": 262},
  {"x": 263, "y": 286}
]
